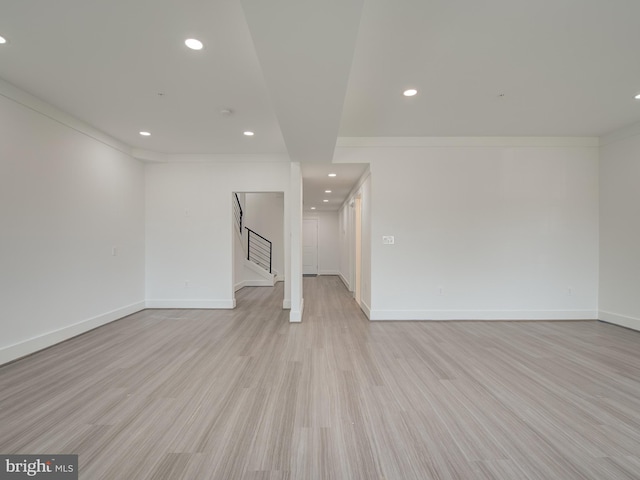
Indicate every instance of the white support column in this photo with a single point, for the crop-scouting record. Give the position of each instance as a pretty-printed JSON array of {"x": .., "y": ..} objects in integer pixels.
[
  {"x": 286, "y": 302},
  {"x": 295, "y": 244}
]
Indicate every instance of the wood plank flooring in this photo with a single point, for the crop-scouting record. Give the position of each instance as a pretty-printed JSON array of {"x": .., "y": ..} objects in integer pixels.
[{"x": 243, "y": 394}]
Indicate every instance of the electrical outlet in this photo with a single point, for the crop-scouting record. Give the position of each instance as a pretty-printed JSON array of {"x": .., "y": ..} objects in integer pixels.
[
  {"x": 569, "y": 291},
  {"x": 388, "y": 240},
  {"x": 440, "y": 291}
]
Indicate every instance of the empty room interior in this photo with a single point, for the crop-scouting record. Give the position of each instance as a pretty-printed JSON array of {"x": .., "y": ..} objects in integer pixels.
[{"x": 321, "y": 239}]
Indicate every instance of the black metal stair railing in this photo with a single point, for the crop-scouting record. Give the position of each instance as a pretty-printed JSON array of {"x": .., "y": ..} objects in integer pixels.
[
  {"x": 237, "y": 213},
  {"x": 259, "y": 249}
]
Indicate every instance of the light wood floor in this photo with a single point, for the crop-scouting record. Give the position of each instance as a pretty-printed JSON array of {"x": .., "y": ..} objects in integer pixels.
[{"x": 243, "y": 394}]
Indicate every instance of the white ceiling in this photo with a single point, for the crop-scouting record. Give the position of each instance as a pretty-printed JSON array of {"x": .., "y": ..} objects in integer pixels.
[
  {"x": 106, "y": 61},
  {"x": 565, "y": 67},
  {"x": 300, "y": 73}
]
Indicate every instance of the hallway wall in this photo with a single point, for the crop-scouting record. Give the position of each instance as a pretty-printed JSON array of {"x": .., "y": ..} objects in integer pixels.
[{"x": 347, "y": 241}]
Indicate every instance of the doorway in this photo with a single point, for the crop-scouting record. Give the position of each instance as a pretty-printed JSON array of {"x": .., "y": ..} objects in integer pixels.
[{"x": 258, "y": 240}]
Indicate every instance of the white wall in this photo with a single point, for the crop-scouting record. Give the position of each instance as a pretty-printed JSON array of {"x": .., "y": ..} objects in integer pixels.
[
  {"x": 506, "y": 232},
  {"x": 619, "y": 300},
  {"x": 66, "y": 199},
  {"x": 189, "y": 228},
  {"x": 328, "y": 242},
  {"x": 265, "y": 216}
]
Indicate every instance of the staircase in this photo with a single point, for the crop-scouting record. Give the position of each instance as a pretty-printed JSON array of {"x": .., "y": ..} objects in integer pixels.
[{"x": 259, "y": 249}]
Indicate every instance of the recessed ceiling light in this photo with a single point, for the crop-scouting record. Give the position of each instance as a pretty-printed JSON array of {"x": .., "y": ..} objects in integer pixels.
[
  {"x": 248, "y": 133},
  {"x": 637, "y": 97},
  {"x": 145, "y": 134},
  {"x": 2, "y": 40},
  {"x": 410, "y": 93},
  {"x": 327, "y": 191},
  {"x": 313, "y": 208},
  {"x": 325, "y": 200},
  {"x": 193, "y": 44},
  {"x": 333, "y": 175}
]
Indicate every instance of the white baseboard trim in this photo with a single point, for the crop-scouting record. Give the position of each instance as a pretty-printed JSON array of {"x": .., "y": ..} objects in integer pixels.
[
  {"x": 258, "y": 283},
  {"x": 253, "y": 283},
  {"x": 344, "y": 280},
  {"x": 621, "y": 320},
  {"x": 328, "y": 272},
  {"x": 254, "y": 270},
  {"x": 27, "y": 347},
  {"x": 296, "y": 315},
  {"x": 486, "y": 315},
  {"x": 429, "y": 142},
  {"x": 192, "y": 304},
  {"x": 365, "y": 308},
  {"x": 286, "y": 304}
]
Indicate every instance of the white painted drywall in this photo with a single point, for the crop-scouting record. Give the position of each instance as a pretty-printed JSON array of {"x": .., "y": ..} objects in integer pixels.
[
  {"x": 328, "y": 242},
  {"x": 619, "y": 300},
  {"x": 506, "y": 232},
  {"x": 189, "y": 262},
  {"x": 66, "y": 200},
  {"x": 265, "y": 216}
]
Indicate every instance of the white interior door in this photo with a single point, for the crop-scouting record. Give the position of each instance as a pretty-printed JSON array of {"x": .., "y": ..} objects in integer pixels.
[{"x": 310, "y": 246}]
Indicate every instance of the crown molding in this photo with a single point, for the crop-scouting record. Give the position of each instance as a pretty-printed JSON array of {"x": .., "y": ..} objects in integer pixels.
[
  {"x": 15, "y": 94},
  {"x": 629, "y": 131},
  {"x": 468, "y": 142},
  {"x": 149, "y": 155},
  {"x": 155, "y": 157}
]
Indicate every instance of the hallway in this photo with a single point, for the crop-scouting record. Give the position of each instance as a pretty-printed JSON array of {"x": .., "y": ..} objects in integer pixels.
[{"x": 244, "y": 394}]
